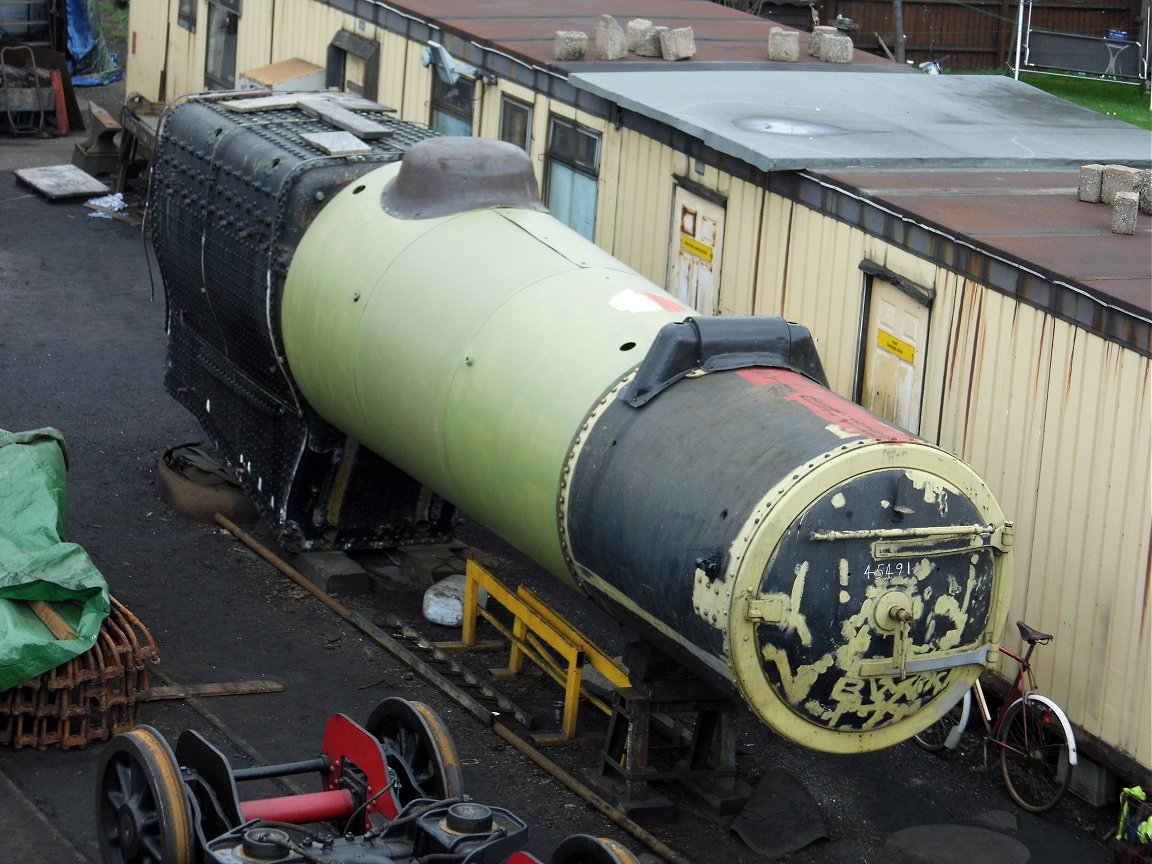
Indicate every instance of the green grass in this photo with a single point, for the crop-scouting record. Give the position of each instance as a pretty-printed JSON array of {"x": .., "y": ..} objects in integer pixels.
[
  {"x": 1122, "y": 101},
  {"x": 114, "y": 23}
]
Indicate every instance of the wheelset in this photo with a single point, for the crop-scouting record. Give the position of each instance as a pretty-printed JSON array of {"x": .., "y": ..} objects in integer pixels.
[
  {"x": 420, "y": 749},
  {"x": 142, "y": 811},
  {"x": 1036, "y": 754},
  {"x": 936, "y": 736},
  {"x": 584, "y": 849}
]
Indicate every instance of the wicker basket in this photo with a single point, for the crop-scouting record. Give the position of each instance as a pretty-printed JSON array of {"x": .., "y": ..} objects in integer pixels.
[{"x": 91, "y": 697}]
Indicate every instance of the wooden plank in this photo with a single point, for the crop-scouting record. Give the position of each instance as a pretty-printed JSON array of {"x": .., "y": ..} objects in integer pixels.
[
  {"x": 52, "y": 619},
  {"x": 61, "y": 181},
  {"x": 191, "y": 691},
  {"x": 126, "y": 216},
  {"x": 358, "y": 103},
  {"x": 282, "y": 101},
  {"x": 344, "y": 119},
  {"x": 262, "y": 103},
  {"x": 102, "y": 118},
  {"x": 337, "y": 143}
]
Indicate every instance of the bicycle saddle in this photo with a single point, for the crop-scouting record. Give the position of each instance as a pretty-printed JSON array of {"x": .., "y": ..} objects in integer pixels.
[{"x": 1031, "y": 636}]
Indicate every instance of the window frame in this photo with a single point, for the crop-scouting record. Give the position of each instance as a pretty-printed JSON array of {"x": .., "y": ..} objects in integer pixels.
[
  {"x": 211, "y": 79},
  {"x": 186, "y": 14},
  {"x": 569, "y": 157},
  {"x": 511, "y": 102},
  {"x": 441, "y": 106}
]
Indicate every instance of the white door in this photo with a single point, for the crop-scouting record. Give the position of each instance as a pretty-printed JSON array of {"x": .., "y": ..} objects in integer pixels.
[
  {"x": 894, "y": 347},
  {"x": 697, "y": 243}
]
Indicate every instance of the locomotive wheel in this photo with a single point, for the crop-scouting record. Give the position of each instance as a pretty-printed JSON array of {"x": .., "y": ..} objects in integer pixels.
[
  {"x": 142, "y": 810},
  {"x": 583, "y": 849},
  {"x": 419, "y": 748}
]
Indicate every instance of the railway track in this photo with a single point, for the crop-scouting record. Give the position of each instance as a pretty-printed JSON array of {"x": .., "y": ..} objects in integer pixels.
[{"x": 461, "y": 685}]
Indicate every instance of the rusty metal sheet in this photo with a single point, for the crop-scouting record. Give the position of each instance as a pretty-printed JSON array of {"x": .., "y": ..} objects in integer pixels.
[
  {"x": 1031, "y": 217},
  {"x": 526, "y": 29}
]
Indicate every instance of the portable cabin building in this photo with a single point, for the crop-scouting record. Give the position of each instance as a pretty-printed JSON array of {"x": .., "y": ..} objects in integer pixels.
[{"x": 926, "y": 229}]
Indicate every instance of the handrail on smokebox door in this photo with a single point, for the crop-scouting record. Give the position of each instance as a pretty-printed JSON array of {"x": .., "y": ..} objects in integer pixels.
[{"x": 538, "y": 633}]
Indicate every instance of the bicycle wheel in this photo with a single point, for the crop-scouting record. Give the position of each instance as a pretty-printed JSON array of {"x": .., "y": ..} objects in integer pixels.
[
  {"x": 935, "y": 736},
  {"x": 1034, "y": 755}
]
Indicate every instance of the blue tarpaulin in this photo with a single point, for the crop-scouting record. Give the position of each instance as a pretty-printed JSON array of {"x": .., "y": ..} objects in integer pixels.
[{"x": 92, "y": 64}]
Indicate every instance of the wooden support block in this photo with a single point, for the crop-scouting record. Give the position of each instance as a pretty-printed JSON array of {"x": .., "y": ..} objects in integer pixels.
[{"x": 344, "y": 119}]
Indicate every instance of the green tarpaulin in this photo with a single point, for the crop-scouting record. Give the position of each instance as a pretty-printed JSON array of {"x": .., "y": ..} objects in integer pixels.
[{"x": 36, "y": 564}]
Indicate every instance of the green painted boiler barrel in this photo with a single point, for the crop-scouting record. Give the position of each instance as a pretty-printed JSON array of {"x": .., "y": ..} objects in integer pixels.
[{"x": 465, "y": 348}]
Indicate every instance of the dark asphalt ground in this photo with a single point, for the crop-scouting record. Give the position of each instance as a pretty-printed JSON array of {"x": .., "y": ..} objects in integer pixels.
[{"x": 82, "y": 349}]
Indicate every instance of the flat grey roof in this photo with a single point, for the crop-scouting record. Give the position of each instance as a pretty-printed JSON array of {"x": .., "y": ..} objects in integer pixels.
[{"x": 843, "y": 119}]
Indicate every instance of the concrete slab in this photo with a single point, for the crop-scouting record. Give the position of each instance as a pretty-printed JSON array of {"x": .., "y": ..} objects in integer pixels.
[
  {"x": 57, "y": 182},
  {"x": 954, "y": 844}
]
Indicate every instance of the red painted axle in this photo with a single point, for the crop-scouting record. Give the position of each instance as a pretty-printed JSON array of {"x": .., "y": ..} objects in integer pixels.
[{"x": 301, "y": 809}]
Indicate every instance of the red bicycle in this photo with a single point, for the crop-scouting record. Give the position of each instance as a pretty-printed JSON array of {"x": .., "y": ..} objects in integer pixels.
[{"x": 1037, "y": 748}]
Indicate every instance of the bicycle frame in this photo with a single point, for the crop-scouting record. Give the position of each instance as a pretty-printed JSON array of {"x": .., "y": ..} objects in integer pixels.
[
  {"x": 1036, "y": 746},
  {"x": 1015, "y": 692},
  {"x": 1018, "y": 692}
]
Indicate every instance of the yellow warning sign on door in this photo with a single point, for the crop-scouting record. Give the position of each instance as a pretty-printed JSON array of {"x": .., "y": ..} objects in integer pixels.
[
  {"x": 896, "y": 346},
  {"x": 694, "y": 247}
]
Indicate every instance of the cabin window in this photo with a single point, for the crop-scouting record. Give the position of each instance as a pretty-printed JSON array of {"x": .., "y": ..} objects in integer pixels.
[
  {"x": 186, "y": 14},
  {"x": 220, "y": 45},
  {"x": 516, "y": 123},
  {"x": 452, "y": 105},
  {"x": 572, "y": 173}
]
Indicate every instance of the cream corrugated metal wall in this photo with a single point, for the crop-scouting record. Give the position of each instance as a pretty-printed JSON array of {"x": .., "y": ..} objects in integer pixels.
[
  {"x": 1057, "y": 420},
  {"x": 164, "y": 60}
]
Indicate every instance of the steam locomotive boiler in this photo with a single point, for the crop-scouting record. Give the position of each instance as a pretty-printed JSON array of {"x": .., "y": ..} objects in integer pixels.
[{"x": 373, "y": 339}]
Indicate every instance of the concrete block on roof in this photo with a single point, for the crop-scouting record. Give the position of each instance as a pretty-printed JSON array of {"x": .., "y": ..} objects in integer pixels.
[
  {"x": 570, "y": 45},
  {"x": 818, "y": 34},
  {"x": 783, "y": 45},
  {"x": 678, "y": 43},
  {"x": 1117, "y": 178},
  {"x": 1089, "y": 188},
  {"x": 1124, "y": 208},
  {"x": 643, "y": 37},
  {"x": 611, "y": 41},
  {"x": 1144, "y": 190},
  {"x": 836, "y": 49}
]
